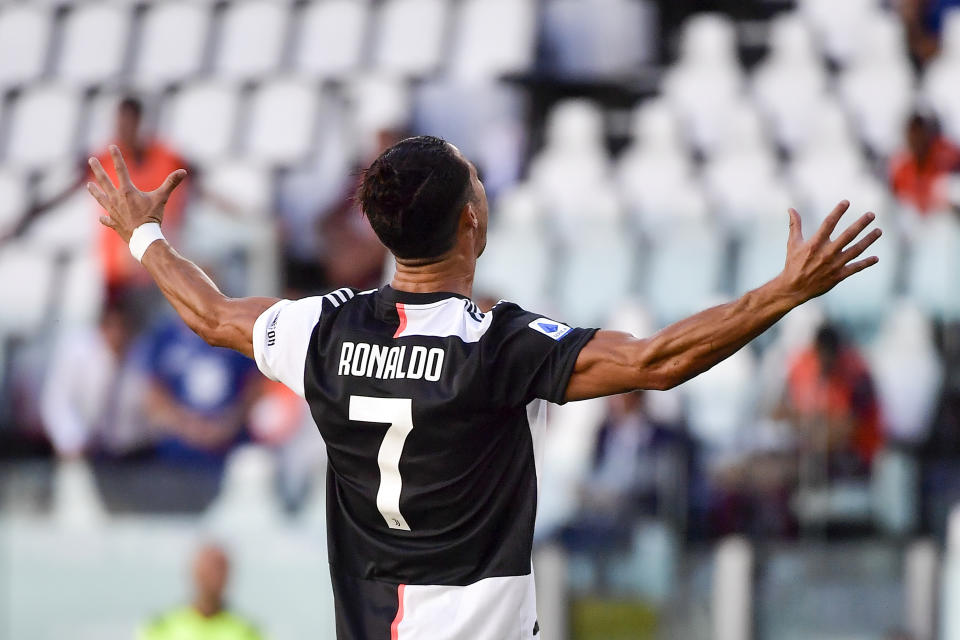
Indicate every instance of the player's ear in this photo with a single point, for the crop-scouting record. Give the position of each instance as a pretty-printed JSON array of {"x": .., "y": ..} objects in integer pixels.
[{"x": 469, "y": 216}]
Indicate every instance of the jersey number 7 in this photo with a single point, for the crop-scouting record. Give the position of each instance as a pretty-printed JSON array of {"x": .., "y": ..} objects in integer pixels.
[{"x": 398, "y": 413}]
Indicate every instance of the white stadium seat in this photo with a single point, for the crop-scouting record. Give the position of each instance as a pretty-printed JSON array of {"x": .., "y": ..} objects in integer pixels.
[
  {"x": 282, "y": 121},
  {"x": 94, "y": 43},
  {"x": 940, "y": 86},
  {"x": 24, "y": 37},
  {"x": 789, "y": 81},
  {"x": 410, "y": 36},
  {"x": 762, "y": 253},
  {"x": 43, "y": 125},
  {"x": 684, "y": 269},
  {"x": 597, "y": 272},
  {"x": 172, "y": 43},
  {"x": 706, "y": 82},
  {"x": 721, "y": 406},
  {"x": 591, "y": 39},
  {"x": 200, "y": 120},
  {"x": 743, "y": 188},
  {"x": 476, "y": 55},
  {"x": 838, "y": 25},
  {"x": 251, "y": 39},
  {"x": 908, "y": 373},
  {"x": 330, "y": 42},
  {"x": 25, "y": 299},
  {"x": 931, "y": 276},
  {"x": 513, "y": 249},
  {"x": 877, "y": 87},
  {"x": 249, "y": 185},
  {"x": 658, "y": 188}
]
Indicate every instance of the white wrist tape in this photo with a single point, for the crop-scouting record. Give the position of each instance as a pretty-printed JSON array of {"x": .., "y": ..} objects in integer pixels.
[{"x": 142, "y": 237}]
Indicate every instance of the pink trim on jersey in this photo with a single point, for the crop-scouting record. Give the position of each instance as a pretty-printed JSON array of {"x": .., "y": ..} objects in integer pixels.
[
  {"x": 395, "y": 627},
  {"x": 403, "y": 319}
]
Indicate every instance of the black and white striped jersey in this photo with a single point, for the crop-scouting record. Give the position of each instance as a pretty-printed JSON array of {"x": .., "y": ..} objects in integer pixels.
[{"x": 431, "y": 412}]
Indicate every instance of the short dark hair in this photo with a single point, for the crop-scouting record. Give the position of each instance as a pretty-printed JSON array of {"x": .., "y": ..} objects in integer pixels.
[
  {"x": 413, "y": 194},
  {"x": 829, "y": 339},
  {"x": 132, "y": 104}
]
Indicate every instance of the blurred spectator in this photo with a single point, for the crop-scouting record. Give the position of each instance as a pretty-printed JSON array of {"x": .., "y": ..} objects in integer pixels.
[
  {"x": 637, "y": 467},
  {"x": 199, "y": 395},
  {"x": 918, "y": 173},
  {"x": 149, "y": 162},
  {"x": 924, "y": 22},
  {"x": 92, "y": 396},
  {"x": 281, "y": 420},
  {"x": 830, "y": 401},
  {"x": 206, "y": 618}
]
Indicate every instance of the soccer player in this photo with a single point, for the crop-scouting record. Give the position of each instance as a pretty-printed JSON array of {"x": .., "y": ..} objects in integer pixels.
[{"x": 430, "y": 409}]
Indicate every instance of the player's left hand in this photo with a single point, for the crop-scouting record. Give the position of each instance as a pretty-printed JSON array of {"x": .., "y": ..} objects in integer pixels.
[{"x": 128, "y": 207}]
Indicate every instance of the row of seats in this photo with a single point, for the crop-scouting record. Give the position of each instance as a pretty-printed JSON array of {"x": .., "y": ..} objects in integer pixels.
[{"x": 175, "y": 41}]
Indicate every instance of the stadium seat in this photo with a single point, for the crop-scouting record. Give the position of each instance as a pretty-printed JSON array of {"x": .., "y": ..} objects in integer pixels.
[
  {"x": 907, "y": 372},
  {"x": 484, "y": 119},
  {"x": 743, "y": 187},
  {"x": 377, "y": 102},
  {"x": 596, "y": 39},
  {"x": 721, "y": 405},
  {"x": 477, "y": 56},
  {"x": 410, "y": 36},
  {"x": 14, "y": 199},
  {"x": 246, "y": 499},
  {"x": 24, "y": 38},
  {"x": 597, "y": 271},
  {"x": 172, "y": 43},
  {"x": 762, "y": 252},
  {"x": 94, "y": 43},
  {"x": 518, "y": 243},
  {"x": 331, "y": 38},
  {"x": 658, "y": 189},
  {"x": 26, "y": 301},
  {"x": 252, "y": 38},
  {"x": 200, "y": 121},
  {"x": 43, "y": 127},
  {"x": 932, "y": 269},
  {"x": 248, "y": 185},
  {"x": 684, "y": 269},
  {"x": 838, "y": 25},
  {"x": 940, "y": 86},
  {"x": 76, "y": 502},
  {"x": 282, "y": 121},
  {"x": 706, "y": 83},
  {"x": 67, "y": 227},
  {"x": 877, "y": 87},
  {"x": 82, "y": 288},
  {"x": 790, "y": 82}
]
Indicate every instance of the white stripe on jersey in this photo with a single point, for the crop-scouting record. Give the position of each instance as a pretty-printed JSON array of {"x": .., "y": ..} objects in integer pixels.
[
  {"x": 489, "y": 609},
  {"x": 449, "y": 317},
  {"x": 537, "y": 419}
]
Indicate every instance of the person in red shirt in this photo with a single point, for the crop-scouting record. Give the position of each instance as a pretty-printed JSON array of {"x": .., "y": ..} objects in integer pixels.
[
  {"x": 918, "y": 173},
  {"x": 149, "y": 161},
  {"x": 830, "y": 400}
]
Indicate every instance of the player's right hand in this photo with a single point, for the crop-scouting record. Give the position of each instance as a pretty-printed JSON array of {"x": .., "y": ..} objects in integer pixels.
[
  {"x": 128, "y": 207},
  {"x": 815, "y": 266}
]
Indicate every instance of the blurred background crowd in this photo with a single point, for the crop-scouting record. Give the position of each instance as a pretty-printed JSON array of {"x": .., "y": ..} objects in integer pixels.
[{"x": 639, "y": 156}]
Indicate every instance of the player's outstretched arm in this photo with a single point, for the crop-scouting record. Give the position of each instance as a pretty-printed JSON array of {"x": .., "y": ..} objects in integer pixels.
[
  {"x": 614, "y": 362},
  {"x": 221, "y": 321}
]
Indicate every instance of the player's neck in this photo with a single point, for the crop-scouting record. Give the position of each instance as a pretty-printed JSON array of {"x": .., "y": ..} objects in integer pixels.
[{"x": 453, "y": 274}]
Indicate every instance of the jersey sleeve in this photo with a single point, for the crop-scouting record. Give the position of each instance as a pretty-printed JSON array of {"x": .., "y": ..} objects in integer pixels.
[
  {"x": 531, "y": 356},
  {"x": 281, "y": 337}
]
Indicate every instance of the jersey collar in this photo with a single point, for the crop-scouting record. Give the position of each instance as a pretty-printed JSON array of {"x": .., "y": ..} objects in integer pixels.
[{"x": 392, "y": 296}]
